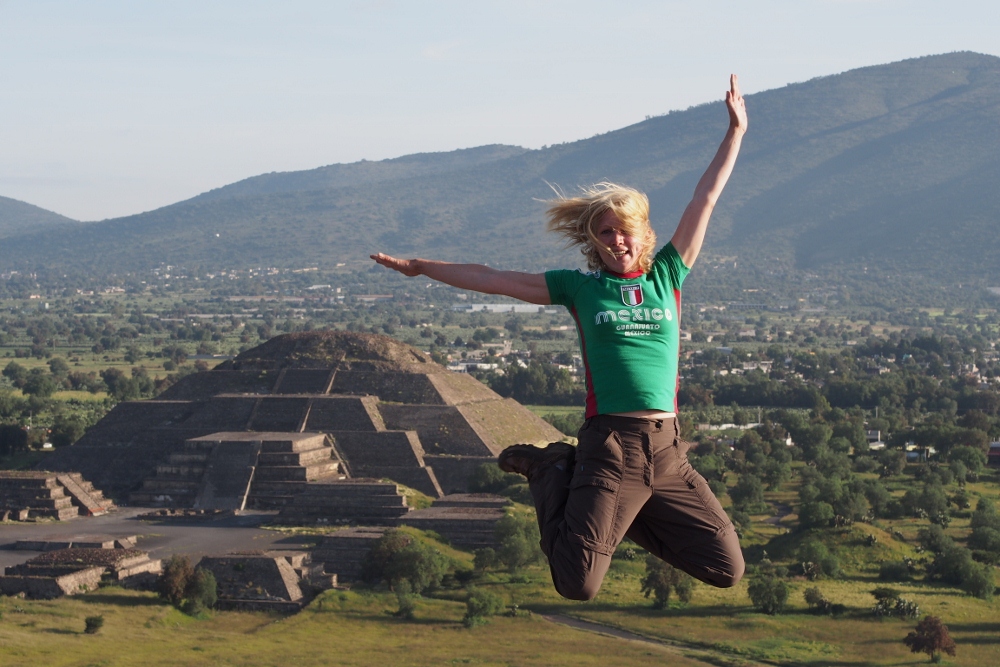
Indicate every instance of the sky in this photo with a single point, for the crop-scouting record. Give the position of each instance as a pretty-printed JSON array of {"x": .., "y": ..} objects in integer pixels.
[{"x": 109, "y": 108}]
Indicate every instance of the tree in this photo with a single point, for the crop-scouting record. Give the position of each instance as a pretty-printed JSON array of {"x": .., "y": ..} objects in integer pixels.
[
  {"x": 397, "y": 556},
  {"x": 13, "y": 439},
  {"x": 767, "y": 591},
  {"x": 662, "y": 578},
  {"x": 39, "y": 383},
  {"x": 748, "y": 493},
  {"x": 67, "y": 429},
  {"x": 930, "y": 637},
  {"x": 479, "y": 605},
  {"x": 517, "y": 536}
]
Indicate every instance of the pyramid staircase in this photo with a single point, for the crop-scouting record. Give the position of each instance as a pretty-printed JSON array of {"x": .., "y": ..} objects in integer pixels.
[
  {"x": 236, "y": 470},
  {"x": 47, "y": 495},
  {"x": 361, "y": 501}
]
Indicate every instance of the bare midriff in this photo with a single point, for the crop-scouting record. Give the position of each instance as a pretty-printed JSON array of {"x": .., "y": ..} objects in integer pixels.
[{"x": 646, "y": 414}]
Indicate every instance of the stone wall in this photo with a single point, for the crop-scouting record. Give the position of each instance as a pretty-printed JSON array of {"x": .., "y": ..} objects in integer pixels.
[
  {"x": 274, "y": 413},
  {"x": 203, "y": 386},
  {"x": 389, "y": 386},
  {"x": 453, "y": 472},
  {"x": 344, "y": 413}
]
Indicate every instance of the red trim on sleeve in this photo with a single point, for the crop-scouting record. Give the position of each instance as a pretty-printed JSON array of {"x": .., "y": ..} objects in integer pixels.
[{"x": 677, "y": 387}]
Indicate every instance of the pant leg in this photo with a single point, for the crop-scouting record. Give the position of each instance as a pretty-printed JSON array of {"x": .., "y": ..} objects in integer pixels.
[
  {"x": 683, "y": 522},
  {"x": 583, "y": 513}
]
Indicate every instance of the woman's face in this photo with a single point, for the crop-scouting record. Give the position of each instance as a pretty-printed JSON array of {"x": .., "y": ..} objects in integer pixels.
[{"x": 619, "y": 251}]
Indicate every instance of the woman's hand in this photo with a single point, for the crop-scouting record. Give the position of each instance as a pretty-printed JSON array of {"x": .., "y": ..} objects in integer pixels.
[
  {"x": 408, "y": 267},
  {"x": 737, "y": 107}
]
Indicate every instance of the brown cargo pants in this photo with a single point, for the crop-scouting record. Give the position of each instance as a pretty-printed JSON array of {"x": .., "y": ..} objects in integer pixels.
[{"x": 631, "y": 477}]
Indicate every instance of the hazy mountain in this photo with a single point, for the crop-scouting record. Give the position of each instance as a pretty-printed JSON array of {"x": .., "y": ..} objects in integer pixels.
[
  {"x": 891, "y": 169},
  {"x": 18, "y": 217},
  {"x": 361, "y": 173}
]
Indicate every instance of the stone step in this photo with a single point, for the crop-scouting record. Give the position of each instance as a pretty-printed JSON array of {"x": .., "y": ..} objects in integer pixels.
[
  {"x": 297, "y": 473},
  {"x": 172, "y": 485},
  {"x": 298, "y": 445},
  {"x": 180, "y": 470},
  {"x": 161, "y": 499},
  {"x": 188, "y": 458},
  {"x": 89, "y": 502},
  {"x": 61, "y": 513},
  {"x": 306, "y": 457}
]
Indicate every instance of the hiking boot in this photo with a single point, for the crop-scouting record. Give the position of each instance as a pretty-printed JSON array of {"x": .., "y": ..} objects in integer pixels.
[{"x": 526, "y": 459}]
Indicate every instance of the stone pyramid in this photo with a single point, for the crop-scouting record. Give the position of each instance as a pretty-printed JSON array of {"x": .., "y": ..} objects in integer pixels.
[{"x": 363, "y": 406}]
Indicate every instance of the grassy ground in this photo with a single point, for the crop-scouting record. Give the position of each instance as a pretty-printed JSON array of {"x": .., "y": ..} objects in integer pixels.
[{"x": 341, "y": 628}]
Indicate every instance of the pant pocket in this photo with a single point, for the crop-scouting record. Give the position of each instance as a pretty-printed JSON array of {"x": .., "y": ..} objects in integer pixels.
[
  {"x": 711, "y": 511},
  {"x": 592, "y": 505}
]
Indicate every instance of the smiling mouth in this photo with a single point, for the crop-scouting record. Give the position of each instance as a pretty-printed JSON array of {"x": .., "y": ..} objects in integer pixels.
[{"x": 617, "y": 254}]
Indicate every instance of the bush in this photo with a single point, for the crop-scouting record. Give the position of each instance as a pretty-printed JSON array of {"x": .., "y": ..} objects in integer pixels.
[
  {"x": 814, "y": 598},
  {"x": 173, "y": 581},
  {"x": 662, "y": 578},
  {"x": 817, "y": 561},
  {"x": 488, "y": 478},
  {"x": 767, "y": 592},
  {"x": 479, "y": 605},
  {"x": 92, "y": 624},
  {"x": 201, "y": 592},
  {"x": 894, "y": 571}
]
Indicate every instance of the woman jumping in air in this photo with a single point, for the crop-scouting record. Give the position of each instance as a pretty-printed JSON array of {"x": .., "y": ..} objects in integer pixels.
[{"x": 629, "y": 476}]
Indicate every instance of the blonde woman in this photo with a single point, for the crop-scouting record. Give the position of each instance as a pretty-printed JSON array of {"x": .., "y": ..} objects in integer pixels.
[{"x": 629, "y": 475}]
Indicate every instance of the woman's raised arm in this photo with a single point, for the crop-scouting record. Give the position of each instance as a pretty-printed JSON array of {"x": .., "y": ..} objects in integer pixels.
[
  {"x": 528, "y": 287},
  {"x": 690, "y": 232}
]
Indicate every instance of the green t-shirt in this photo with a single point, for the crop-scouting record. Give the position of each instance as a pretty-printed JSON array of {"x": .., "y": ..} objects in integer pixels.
[{"x": 629, "y": 328}]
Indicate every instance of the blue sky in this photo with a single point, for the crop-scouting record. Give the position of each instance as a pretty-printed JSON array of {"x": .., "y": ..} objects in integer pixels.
[{"x": 111, "y": 108}]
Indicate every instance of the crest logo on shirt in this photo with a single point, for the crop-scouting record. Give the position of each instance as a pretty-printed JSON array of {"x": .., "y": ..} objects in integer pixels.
[{"x": 632, "y": 294}]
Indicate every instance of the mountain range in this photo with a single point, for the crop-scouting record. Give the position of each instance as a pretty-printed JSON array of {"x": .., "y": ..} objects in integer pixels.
[{"x": 883, "y": 176}]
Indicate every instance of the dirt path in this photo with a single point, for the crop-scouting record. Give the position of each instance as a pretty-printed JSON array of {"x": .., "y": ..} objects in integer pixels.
[
  {"x": 781, "y": 511},
  {"x": 707, "y": 656}
]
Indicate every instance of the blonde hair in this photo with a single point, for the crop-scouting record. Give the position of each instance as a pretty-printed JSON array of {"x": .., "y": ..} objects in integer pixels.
[{"x": 576, "y": 219}]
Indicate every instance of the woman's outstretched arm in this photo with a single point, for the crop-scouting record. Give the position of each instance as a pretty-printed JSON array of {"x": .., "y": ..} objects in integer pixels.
[
  {"x": 528, "y": 287},
  {"x": 690, "y": 232}
]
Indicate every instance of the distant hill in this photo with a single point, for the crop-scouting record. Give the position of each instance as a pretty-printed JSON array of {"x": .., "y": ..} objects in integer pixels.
[
  {"x": 18, "y": 217},
  {"x": 887, "y": 172}
]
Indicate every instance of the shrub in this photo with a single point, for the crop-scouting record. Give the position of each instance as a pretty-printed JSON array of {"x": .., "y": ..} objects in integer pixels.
[
  {"x": 92, "y": 624},
  {"x": 488, "y": 478},
  {"x": 662, "y": 578},
  {"x": 817, "y": 561},
  {"x": 479, "y": 605},
  {"x": 930, "y": 637},
  {"x": 814, "y": 598},
  {"x": 894, "y": 571},
  {"x": 934, "y": 540},
  {"x": 173, "y": 581},
  {"x": 201, "y": 592}
]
